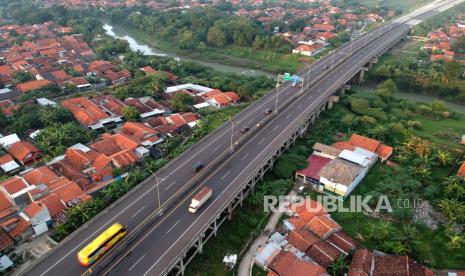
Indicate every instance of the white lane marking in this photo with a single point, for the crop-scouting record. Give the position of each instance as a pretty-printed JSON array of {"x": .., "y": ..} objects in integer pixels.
[
  {"x": 243, "y": 157},
  {"x": 299, "y": 106},
  {"x": 224, "y": 175},
  {"x": 169, "y": 186},
  {"x": 275, "y": 128},
  {"x": 261, "y": 141},
  {"x": 224, "y": 190},
  {"x": 135, "y": 214},
  {"x": 288, "y": 116},
  {"x": 98, "y": 230},
  {"x": 216, "y": 199},
  {"x": 172, "y": 227},
  {"x": 217, "y": 147},
  {"x": 138, "y": 260}
]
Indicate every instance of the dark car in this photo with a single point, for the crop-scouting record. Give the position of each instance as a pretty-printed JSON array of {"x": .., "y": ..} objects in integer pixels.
[
  {"x": 268, "y": 111},
  {"x": 198, "y": 166},
  {"x": 325, "y": 67},
  {"x": 245, "y": 129}
]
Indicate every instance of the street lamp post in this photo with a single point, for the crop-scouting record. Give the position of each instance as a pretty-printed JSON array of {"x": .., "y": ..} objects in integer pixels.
[
  {"x": 158, "y": 190},
  {"x": 302, "y": 86},
  {"x": 332, "y": 58},
  {"x": 232, "y": 132},
  {"x": 277, "y": 95}
]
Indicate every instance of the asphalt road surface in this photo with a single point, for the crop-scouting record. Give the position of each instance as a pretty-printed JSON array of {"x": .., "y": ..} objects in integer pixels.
[{"x": 157, "y": 248}]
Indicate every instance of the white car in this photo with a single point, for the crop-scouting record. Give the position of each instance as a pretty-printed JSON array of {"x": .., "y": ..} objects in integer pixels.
[{"x": 301, "y": 189}]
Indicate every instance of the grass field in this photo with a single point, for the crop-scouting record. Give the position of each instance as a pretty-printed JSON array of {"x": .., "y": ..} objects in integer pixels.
[
  {"x": 404, "y": 5},
  {"x": 234, "y": 56},
  {"x": 446, "y": 131}
]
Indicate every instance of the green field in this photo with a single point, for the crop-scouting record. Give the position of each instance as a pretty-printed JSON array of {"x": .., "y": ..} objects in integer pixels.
[
  {"x": 404, "y": 5},
  {"x": 234, "y": 56}
]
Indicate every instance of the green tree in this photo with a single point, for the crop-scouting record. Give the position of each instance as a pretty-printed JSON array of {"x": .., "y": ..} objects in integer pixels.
[
  {"x": 182, "y": 102},
  {"x": 216, "y": 37},
  {"x": 387, "y": 88},
  {"x": 130, "y": 113},
  {"x": 54, "y": 139},
  {"x": 453, "y": 69},
  {"x": 56, "y": 114},
  {"x": 23, "y": 76}
]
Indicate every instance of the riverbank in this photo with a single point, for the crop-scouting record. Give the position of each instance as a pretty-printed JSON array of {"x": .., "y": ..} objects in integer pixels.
[
  {"x": 236, "y": 59},
  {"x": 423, "y": 98}
]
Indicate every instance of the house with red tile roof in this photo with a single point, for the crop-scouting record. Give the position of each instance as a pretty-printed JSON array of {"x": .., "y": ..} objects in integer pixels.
[
  {"x": 323, "y": 226},
  {"x": 8, "y": 165},
  {"x": 38, "y": 216},
  {"x": 117, "y": 78},
  {"x": 368, "y": 263},
  {"x": 6, "y": 243},
  {"x": 32, "y": 85},
  {"x": 97, "y": 67},
  {"x": 25, "y": 153},
  {"x": 55, "y": 206},
  {"x": 120, "y": 148},
  {"x": 302, "y": 239},
  {"x": 80, "y": 82},
  {"x": 323, "y": 253},
  {"x": 109, "y": 104},
  {"x": 90, "y": 114},
  {"x": 287, "y": 264},
  {"x": 21, "y": 230},
  {"x": 461, "y": 171},
  {"x": 147, "y": 70},
  {"x": 147, "y": 106},
  {"x": 8, "y": 209},
  {"x": 146, "y": 135},
  {"x": 342, "y": 242},
  {"x": 308, "y": 50}
]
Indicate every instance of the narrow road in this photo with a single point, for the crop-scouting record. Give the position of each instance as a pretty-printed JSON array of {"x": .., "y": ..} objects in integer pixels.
[{"x": 245, "y": 267}]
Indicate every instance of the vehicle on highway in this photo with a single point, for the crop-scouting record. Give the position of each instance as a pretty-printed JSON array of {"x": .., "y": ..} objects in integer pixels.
[
  {"x": 197, "y": 167},
  {"x": 268, "y": 111},
  {"x": 199, "y": 199},
  {"x": 245, "y": 129},
  {"x": 101, "y": 244},
  {"x": 325, "y": 67}
]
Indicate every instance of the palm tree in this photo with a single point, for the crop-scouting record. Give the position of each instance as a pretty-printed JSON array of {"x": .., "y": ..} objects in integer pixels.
[
  {"x": 456, "y": 241},
  {"x": 339, "y": 266},
  {"x": 443, "y": 157}
]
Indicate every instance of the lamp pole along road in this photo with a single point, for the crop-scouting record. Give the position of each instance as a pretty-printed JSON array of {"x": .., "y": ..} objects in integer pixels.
[
  {"x": 277, "y": 93},
  {"x": 232, "y": 132}
]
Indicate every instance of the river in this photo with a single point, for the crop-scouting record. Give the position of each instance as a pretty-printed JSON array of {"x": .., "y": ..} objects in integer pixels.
[{"x": 119, "y": 32}]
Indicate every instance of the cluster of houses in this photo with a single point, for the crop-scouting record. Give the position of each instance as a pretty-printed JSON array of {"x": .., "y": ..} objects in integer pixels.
[
  {"x": 53, "y": 57},
  {"x": 337, "y": 169},
  {"x": 439, "y": 42},
  {"x": 310, "y": 241},
  {"x": 35, "y": 192},
  {"x": 323, "y": 22}
]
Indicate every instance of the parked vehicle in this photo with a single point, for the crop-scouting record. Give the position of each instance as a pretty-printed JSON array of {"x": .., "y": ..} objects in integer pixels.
[
  {"x": 199, "y": 199},
  {"x": 197, "y": 167}
]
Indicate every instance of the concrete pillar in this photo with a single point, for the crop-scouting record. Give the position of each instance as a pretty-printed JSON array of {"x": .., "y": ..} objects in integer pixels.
[
  {"x": 230, "y": 211},
  {"x": 200, "y": 245},
  {"x": 361, "y": 75},
  {"x": 215, "y": 228},
  {"x": 182, "y": 268}
]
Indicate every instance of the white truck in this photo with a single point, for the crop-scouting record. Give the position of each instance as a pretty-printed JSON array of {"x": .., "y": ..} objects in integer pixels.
[{"x": 199, "y": 199}]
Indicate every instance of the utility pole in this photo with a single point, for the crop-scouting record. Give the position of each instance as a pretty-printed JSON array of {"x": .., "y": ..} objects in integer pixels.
[
  {"x": 302, "y": 86},
  {"x": 232, "y": 132},
  {"x": 158, "y": 191},
  {"x": 277, "y": 94},
  {"x": 332, "y": 58}
]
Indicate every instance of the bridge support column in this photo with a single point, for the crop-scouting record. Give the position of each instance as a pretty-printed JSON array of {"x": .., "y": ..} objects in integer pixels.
[
  {"x": 361, "y": 75},
  {"x": 215, "y": 228},
  {"x": 182, "y": 267},
  {"x": 241, "y": 199},
  {"x": 230, "y": 209},
  {"x": 200, "y": 245}
]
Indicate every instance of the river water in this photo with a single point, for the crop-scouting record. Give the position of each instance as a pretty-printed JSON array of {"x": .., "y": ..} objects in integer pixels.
[{"x": 119, "y": 32}]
